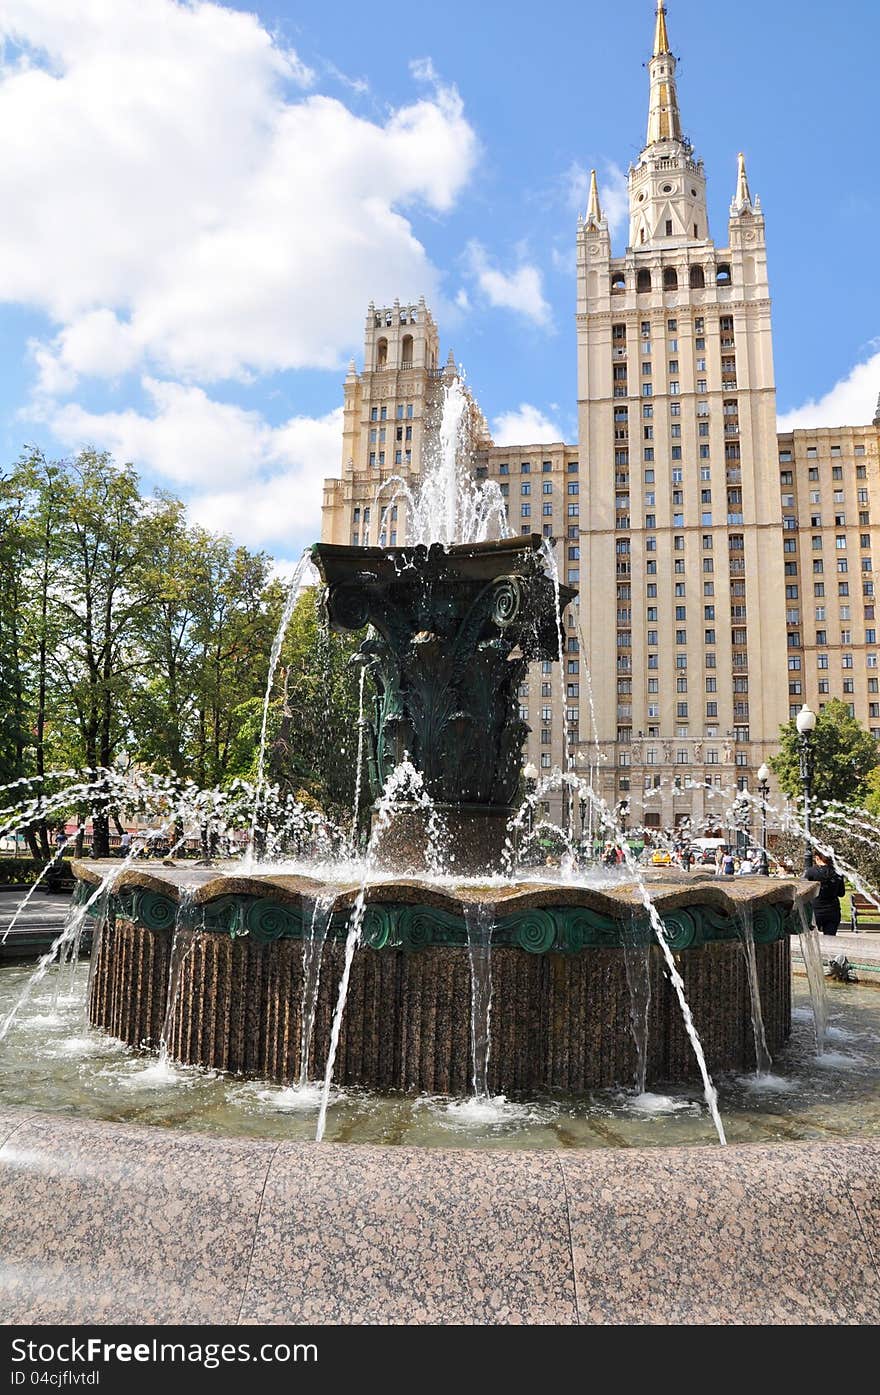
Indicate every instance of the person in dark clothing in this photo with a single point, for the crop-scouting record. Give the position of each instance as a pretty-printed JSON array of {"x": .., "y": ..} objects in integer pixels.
[{"x": 826, "y": 906}]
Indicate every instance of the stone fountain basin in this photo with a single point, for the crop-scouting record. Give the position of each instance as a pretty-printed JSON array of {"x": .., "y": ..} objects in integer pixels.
[{"x": 561, "y": 1001}]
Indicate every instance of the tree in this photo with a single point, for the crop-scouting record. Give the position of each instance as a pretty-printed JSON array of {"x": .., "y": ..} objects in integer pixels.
[
  {"x": 844, "y": 756},
  {"x": 312, "y": 733}
]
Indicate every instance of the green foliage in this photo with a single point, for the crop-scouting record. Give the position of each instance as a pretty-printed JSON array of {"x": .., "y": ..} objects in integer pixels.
[
  {"x": 845, "y": 755},
  {"x": 18, "y": 871},
  {"x": 872, "y": 794},
  {"x": 126, "y": 633},
  {"x": 312, "y": 731}
]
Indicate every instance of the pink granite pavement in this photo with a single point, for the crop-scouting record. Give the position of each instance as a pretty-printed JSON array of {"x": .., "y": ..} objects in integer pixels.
[{"x": 104, "y": 1223}]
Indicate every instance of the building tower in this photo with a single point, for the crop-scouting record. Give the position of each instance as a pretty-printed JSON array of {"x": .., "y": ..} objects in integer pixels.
[
  {"x": 389, "y": 407},
  {"x": 385, "y": 410},
  {"x": 678, "y": 460}
]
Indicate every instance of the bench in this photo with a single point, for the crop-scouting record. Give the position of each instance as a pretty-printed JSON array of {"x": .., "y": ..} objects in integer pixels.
[{"x": 864, "y": 913}]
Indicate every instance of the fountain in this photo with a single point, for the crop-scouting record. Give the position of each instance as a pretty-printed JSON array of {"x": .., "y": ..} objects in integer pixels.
[
  {"x": 441, "y": 965},
  {"x": 421, "y": 959}
]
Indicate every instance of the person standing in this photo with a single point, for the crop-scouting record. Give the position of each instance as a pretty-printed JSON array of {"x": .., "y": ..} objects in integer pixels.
[{"x": 826, "y": 906}]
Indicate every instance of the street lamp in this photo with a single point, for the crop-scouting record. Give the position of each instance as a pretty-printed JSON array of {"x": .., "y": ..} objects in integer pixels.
[
  {"x": 806, "y": 725},
  {"x": 763, "y": 791}
]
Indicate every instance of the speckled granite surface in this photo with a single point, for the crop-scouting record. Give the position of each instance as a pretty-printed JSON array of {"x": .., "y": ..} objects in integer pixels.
[{"x": 106, "y": 1223}]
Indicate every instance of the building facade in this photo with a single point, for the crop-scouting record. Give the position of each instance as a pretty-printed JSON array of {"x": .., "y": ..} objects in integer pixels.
[{"x": 725, "y": 571}]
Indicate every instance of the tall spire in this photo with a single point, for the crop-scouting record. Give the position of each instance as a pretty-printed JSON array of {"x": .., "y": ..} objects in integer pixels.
[
  {"x": 667, "y": 185},
  {"x": 661, "y": 38},
  {"x": 743, "y": 198},
  {"x": 594, "y": 212},
  {"x": 664, "y": 120}
]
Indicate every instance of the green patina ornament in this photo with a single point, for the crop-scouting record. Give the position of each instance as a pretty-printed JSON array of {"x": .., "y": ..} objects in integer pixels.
[
  {"x": 268, "y": 920},
  {"x": 154, "y": 911},
  {"x": 536, "y": 930},
  {"x": 454, "y": 631}
]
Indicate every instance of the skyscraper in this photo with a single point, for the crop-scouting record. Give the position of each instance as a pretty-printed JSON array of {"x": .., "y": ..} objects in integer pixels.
[
  {"x": 677, "y": 432},
  {"x": 707, "y": 611}
]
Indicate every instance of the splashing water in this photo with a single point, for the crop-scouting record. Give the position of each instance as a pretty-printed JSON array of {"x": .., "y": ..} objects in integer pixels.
[{"x": 451, "y": 506}]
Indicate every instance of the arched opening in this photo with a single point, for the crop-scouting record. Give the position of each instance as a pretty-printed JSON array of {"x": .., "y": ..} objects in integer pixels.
[
  {"x": 643, "y": 283},
  {"x": 722, "y": 275},
  {"x": 381, "y": 353},
  {"x": 406, "y": 351},
  {"x": 618, "y": 283},
  {"x": 670, "y": 279},
  {"x": 698, "y": 278}
]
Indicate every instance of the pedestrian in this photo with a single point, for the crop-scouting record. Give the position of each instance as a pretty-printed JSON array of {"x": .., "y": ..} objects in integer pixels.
[
  {"x": 746, "y": 867},
  {"x": 125, "y": 844},
  {"x": 728, "y": 865},
  {"x": 826, "y": 906}
]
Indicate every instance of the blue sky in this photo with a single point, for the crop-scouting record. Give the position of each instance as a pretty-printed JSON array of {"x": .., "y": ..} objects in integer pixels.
[{"x": 199, "y": 200}]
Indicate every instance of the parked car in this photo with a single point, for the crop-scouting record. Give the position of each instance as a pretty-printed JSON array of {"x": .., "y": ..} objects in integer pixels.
[{"x": 661, "y": 857}]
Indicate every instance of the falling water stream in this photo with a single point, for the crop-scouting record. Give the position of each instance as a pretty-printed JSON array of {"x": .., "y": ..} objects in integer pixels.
[
  {"x": 637, "y": 963},
  {"x": 319, "y": 913},
  {"x": 812, "y": 953},
  {"x": 745, "y": 925},
  {"x": 480, "y": 922}
]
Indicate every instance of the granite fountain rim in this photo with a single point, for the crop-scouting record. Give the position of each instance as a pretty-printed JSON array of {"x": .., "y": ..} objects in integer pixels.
[{"x": 668, "y": 894}]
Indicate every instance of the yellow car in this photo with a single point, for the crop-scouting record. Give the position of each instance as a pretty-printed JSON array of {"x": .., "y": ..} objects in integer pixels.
[{"x": 661, "y": 858}]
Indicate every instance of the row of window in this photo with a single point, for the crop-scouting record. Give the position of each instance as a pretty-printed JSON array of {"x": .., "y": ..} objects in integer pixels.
[
  {"x": 546, "y": 467},
  {"x": 786, "y": 456},
  {"x": 696, "y": 274},
  {"x": 403, "y": 410},
  {"x": 525, "y": 488}
]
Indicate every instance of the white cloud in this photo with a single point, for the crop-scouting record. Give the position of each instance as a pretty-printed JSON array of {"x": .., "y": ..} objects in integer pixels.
[
  {"x": 851, "y": 402},
  {"x": 527, "y": 426},
  {"x": 519, "y": 290},
  {"x": 177, "y": 199},
  {"x": 260, "y": 483}
]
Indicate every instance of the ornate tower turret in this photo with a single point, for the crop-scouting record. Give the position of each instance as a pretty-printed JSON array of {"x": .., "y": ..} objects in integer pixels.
[{"x": 667, "y": 185}]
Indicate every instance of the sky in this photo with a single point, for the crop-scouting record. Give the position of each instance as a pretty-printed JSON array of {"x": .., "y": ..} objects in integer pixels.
[{"x": 199, "y": 201}]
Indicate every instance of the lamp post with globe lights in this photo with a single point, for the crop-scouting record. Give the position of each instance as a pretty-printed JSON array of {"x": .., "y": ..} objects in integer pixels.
[
  {"x": 806, "y": 725},
  {"x": 763, "y": 791}
]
